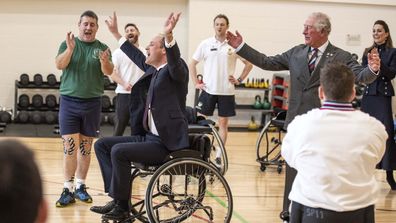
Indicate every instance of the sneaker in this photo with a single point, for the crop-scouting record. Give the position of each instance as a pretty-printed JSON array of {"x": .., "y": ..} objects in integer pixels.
[
  {"x": 82, "y": 194},
  {"x": 66, "y": 198}
]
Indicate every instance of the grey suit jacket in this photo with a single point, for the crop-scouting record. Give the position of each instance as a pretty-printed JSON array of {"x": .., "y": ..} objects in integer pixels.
[{"x": 303, "y": 88}]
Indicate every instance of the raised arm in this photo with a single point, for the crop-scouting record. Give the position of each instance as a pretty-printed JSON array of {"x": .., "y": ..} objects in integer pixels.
[
  {"x": 170, "y": 24},
  {"x": 111, "y": 23},
  {"x": 178, "y": 68},
  {"x": 234, "y": 40}
]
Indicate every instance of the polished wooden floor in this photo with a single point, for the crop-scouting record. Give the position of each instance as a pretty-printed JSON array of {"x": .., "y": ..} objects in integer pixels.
[{"x": 257, "y": 195}]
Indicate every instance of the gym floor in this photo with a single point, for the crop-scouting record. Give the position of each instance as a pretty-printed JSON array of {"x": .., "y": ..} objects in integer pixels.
[{"x": 257, "y": 195}]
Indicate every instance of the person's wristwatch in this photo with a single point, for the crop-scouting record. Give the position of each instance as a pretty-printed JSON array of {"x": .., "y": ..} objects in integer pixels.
[{"x": 239, "y": 80}]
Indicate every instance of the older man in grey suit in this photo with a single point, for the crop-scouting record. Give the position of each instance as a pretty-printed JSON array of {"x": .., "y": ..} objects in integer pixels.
[{"x": 304, "y": 63}]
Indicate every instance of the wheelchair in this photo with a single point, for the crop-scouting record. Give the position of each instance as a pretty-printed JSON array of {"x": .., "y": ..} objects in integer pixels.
[
  {"x": 186, "y": 188},
  {"x": 269, "y": 142},
  {"x": 201, "y": 125}
]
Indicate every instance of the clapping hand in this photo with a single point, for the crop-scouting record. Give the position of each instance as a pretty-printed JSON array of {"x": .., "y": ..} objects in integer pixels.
[
  {"x": 70, "y": 42},
  {"x": 374, "y": 61}
]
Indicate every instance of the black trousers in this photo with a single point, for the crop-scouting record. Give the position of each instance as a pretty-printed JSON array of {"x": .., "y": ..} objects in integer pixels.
[
  {"x": 304, "y": 214},
  {"x": 289, "y": 179},
  {"x": 115, "y": 155},
  {"x": 122, "y": 114}
]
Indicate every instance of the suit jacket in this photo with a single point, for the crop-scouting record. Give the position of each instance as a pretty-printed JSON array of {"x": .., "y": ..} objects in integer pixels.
[
  {"x": 383, "y": 85},
  {"x": 169, "y": 101},
  {"x": 303, "y": 85}
]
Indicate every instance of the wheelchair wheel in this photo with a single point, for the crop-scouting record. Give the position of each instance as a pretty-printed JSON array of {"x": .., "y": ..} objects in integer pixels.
[
  {"x": 179, "y": 191},
  {"x": 218, "y": 155},
  {"x": 268, "y": 146}
]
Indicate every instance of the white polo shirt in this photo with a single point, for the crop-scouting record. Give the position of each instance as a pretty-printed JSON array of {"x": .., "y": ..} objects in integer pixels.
[
  {"x": 219, "y": 63},
  {"x": 127, "y": 70}
]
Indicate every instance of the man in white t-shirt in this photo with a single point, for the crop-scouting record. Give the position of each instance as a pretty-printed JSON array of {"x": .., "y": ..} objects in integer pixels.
[
  {"x": 219, "y": 75},
  {"x": 334, "y": 149},
  {"x": 125, "y": 74}
]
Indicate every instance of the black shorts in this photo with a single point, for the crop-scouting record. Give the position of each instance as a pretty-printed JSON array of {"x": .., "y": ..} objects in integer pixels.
[
  {"x": 78, "y": 115},
  {"x": 301, "y": 213},
  {"x": 207, "y": 104}
]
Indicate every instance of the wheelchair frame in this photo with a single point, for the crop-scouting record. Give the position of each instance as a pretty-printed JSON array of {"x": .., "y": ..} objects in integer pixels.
[
  {"x": 172, "y": 186},
  {"x": 207, "y": 127},
  {"x": 273, "y": 145}
]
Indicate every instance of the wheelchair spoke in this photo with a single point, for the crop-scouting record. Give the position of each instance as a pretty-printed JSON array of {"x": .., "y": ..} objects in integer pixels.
[{"x": 186, "y": 196}]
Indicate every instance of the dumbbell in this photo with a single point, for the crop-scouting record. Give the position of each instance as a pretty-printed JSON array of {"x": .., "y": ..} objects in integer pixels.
[
  {"x": 35, "y": 117},
  {"x": 50, "y": 117},
  {"x": 111, "y": 118},
  {"x": 107, "y": 81},
  {"x": 106, "y": 102},
  {"x": 37, "y": 101},
  {"x": 51, "y": 79},
  {"x": 24, "y": 79},
  {"x": 23, "y": 101},
  {"x": 22, "y": 117},
  {"x": 38, "y": 79},
  {"x": 50, "y": 101},
  {"x": 5, "y": 117}
]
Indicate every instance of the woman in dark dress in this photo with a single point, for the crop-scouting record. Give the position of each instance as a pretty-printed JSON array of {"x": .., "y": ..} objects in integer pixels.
[{"x": 377, "y": 96}]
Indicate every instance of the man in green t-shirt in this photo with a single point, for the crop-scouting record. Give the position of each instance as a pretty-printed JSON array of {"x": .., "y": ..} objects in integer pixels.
[{"x": 83, "y": 61}]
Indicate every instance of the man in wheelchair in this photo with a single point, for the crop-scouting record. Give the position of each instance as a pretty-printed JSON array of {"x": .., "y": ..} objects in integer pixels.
[{"x": 164, "y": 123}]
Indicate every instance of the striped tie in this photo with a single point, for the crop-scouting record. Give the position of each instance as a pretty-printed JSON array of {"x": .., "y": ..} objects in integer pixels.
[{"x": 312, "y": 60}]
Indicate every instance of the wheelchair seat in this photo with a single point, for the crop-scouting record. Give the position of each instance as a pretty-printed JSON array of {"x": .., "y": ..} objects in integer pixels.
[
  {"x": 279, "y": 120},
  {"x": 199, "y": 149}
]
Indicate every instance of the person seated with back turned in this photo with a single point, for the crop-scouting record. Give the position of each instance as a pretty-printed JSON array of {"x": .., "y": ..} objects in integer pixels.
[
  {"x": 164, "y": 120},
  {"x": 335, "y": 150},
  {"x": 21, "y": 190}
]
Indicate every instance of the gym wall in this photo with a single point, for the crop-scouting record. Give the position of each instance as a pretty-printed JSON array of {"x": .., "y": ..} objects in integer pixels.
[{"x": 32, "y": 30}]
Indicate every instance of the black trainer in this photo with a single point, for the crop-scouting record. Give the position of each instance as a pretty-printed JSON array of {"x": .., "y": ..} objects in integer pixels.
[
  {"x": 116, "y": 214},
  {"x": 103, "y": 209}
]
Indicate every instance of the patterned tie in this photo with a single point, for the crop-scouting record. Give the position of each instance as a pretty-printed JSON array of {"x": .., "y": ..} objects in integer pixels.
[
  {"x": 148, "y": 101},
  {"x": 312, "y": 60}
]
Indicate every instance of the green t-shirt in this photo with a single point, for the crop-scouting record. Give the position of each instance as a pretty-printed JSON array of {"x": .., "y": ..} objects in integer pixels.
[{"x": 83, "y": 77}]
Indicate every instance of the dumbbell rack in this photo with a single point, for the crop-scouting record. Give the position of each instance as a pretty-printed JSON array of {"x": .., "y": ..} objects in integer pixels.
[
  {"x": 46, "y": 87},
  {"x": 31, "y": 85}
]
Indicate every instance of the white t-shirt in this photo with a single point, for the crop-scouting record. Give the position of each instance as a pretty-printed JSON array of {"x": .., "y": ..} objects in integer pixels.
[
  {"x": 219, "y": 63},
  {"x": 335, "y": 153},
  {"x": 127, "y": 70}
]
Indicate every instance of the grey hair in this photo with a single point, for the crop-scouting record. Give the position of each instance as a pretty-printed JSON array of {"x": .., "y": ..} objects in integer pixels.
[{"x": 322, "y": 22}]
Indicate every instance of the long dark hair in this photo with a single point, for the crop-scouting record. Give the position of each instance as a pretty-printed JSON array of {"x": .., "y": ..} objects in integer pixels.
[{"x": 388, "y": 41}]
